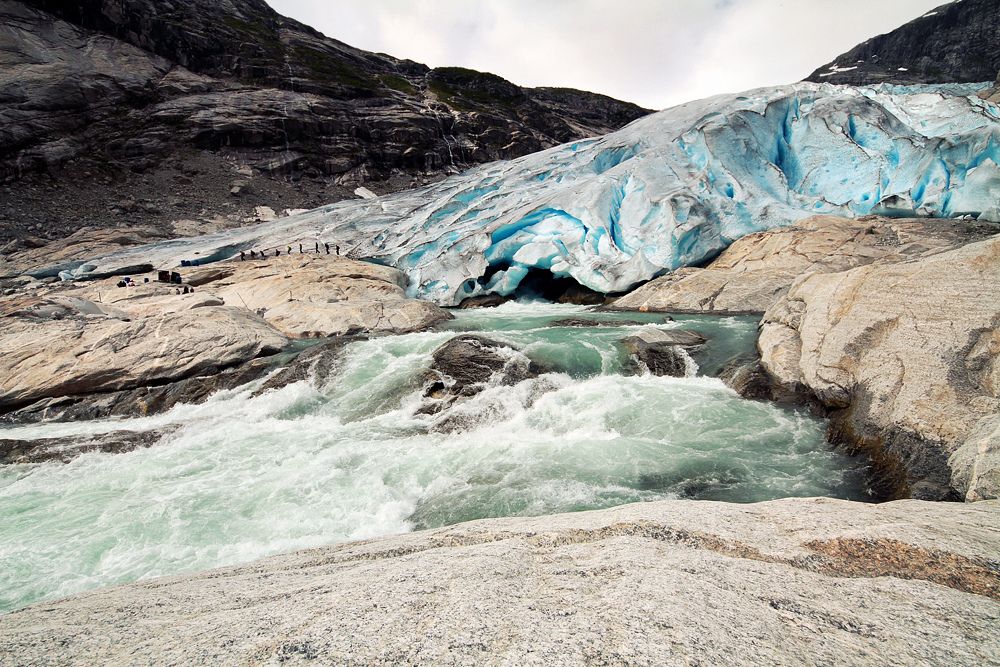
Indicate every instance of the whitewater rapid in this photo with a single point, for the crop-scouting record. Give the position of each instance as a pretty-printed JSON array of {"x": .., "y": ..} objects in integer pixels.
[{"x": 240, "y": 477}]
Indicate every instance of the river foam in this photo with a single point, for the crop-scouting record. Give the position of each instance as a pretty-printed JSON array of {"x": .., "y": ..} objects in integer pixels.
[{"x": 242, "y": 476}]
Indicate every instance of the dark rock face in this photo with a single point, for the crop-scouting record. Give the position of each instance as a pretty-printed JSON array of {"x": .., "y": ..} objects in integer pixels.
[
  {"x": 136, "y": 83},
  {"x": 68, "y": 448},
  {"x": 747, "y": 377},
  {"x": 138, "y": 402},
  {"x": 584, "y": 322},
  {"x": 467, "y": 364},
  {"x": 662, "y": 352},
  {"x": 955, "y": 43},
  {"x": 315, "y": 363}
]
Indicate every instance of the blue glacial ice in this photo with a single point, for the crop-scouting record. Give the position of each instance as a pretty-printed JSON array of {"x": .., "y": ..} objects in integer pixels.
[{"x": 669, "y": 190}]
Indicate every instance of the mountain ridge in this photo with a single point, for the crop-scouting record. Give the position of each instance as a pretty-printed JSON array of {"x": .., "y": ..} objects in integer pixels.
[
  {"x": 100, "y": 90},
  {"x": 956, "y": 42}
]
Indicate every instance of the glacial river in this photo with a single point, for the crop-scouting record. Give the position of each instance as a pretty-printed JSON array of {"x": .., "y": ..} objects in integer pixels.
[{"x": 241, "y": 477}]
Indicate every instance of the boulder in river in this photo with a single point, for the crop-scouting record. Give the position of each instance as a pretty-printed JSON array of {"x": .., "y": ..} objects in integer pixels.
[
  {"x": 582, "y": 322},
  {"x": 467, "y": 364},
  {"x": 66, "y": 448},
  {"x": 663, "y": 351},
  {"x": 747, "y": 377}
]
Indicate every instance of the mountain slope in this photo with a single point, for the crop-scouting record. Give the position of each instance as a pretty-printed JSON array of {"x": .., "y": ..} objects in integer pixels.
[
  {"x": 670, "y": 190},
  {"x": 126, "y": 85},
  {"x": 956, "y": 43}
]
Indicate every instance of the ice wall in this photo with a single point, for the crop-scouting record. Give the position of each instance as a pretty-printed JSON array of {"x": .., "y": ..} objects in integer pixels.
[{"x": 668, "y": 190}]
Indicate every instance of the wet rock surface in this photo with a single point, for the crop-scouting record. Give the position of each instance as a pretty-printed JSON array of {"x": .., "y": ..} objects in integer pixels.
[
  {"x": 141, "y": 401},
  {"x": 67, "y": 448},
  {"x": 663, "y": 351},
  {"x": 585, "y": 322},
  {"x": 746, "y": 376},
  {"x": 902, "y": 582},
  {"x": 315, "y": 364},
  {"x": 468, "y": 364}
]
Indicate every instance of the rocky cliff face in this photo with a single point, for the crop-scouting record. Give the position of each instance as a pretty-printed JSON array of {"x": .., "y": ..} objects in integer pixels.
[
  {"x": 956, "y": 42},
  {"x": 905, "y": 355},
  {"x": 96, "y": 91}
]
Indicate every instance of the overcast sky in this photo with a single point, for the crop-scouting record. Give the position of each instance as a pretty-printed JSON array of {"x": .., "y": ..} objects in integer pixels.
[{"x": 653, "y": 52}]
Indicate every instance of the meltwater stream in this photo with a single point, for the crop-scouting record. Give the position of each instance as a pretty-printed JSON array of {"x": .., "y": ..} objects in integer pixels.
[{"x": 241, "y": 477}]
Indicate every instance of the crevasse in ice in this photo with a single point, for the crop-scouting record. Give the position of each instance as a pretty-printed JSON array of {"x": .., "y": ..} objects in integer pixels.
[{"x": 669, "y": 190}]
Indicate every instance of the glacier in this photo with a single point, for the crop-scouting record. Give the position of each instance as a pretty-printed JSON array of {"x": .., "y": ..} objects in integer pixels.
[{"x": 669, "y": 190}]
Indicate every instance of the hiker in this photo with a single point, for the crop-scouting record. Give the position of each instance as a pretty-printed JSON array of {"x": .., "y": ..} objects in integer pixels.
[
  {"x": 317, "y": 247},
  {"x": 277, "y": 252},
  {"x": 289, "y": 250},
  {"x": 186, "y": 290},
  {"x": 327, "y": 248},
  {"x": 243, "y": 256},
  {"x": 300, "y": 248},
  {"x": 338, "y": 251},
  {"x": 253, "y": 254}
]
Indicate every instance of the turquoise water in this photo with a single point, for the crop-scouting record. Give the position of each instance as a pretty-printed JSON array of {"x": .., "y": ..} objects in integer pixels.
[{"x": 241, "y": 477}]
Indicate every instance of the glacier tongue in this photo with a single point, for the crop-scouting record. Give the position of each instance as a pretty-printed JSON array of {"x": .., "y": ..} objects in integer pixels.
[{"x": 669, "y": 190}]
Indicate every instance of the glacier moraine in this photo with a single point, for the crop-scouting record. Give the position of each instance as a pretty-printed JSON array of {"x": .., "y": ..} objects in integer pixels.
[{"x": 669, "y": 190}]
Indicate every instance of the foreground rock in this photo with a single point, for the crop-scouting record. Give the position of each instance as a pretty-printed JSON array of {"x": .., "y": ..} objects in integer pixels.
[
  {"x": 790, "y": 582},
  {"x": 663, "y": 351},
  {"x": 907, "y": 356},
  {"x": 758, "y": 269}
]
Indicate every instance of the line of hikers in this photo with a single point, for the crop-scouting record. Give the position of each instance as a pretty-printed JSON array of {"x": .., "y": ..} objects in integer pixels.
[{"x": 254, "y": 254}]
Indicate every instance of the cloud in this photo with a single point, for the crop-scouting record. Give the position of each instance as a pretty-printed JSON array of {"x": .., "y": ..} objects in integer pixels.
[{"x": 653, "y": 52}]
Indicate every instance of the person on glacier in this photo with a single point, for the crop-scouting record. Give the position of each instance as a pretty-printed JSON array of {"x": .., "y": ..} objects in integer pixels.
[
  {"x": 327, "y": 248},
  {"x": 300, "y": 248},
  {"x": 317, "y": 247},
  {"x": 243, "y": 256},
  {"x": 338, "y": 251}
]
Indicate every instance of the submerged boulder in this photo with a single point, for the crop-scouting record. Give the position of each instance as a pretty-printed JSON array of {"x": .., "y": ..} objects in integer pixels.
[
  {"x": 466, "y": 365},
  {"x": 746, "y": 376},
  {"x": 66, "y": 448},
  {"x": 663, "y": 351},
  {"x": 582, "y": 322}
]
